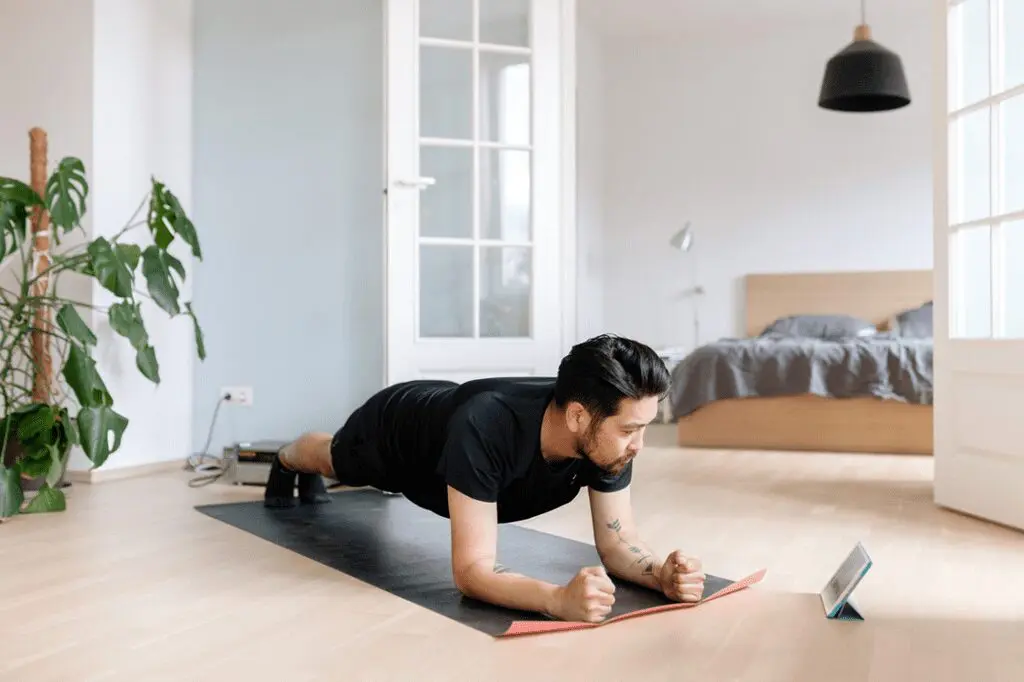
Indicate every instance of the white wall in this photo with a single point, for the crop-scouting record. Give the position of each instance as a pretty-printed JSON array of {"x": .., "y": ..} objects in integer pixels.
[
  {"x": 721, "y": 127},
  {"x": 142, "y": 112},
  {"x": 289, "y": 135},
  {"x": 590, "y": 179},
  {"x": 49, "y": 85},
  {"x": 110, "y": 82},
  {"x": 48, "y": 82}
]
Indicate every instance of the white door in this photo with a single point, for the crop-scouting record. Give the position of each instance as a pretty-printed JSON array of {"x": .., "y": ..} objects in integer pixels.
[
  {"x": 475, "y": 188},
  {"x": 979, "y": 259}
]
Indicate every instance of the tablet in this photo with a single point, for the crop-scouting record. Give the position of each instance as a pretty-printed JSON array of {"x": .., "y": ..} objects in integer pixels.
[{"x": 837, "y": 591}]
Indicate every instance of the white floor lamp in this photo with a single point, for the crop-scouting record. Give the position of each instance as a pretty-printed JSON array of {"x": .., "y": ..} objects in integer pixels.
[{"x": 683, "y": 241}]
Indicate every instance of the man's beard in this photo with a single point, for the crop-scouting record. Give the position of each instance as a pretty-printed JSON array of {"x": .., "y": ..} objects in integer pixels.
[{"x": 585, "y": 446}]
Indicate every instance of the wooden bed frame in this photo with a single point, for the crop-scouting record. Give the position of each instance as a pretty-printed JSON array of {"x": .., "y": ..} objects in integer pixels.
[{"x": 809, "y": 422}]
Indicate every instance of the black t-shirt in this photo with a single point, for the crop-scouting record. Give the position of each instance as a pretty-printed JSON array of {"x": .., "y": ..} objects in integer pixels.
[{"x": 483, "y": 439}]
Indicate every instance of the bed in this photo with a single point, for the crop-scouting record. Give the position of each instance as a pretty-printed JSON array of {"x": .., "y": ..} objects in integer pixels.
[{"x": 778, "y": 389}]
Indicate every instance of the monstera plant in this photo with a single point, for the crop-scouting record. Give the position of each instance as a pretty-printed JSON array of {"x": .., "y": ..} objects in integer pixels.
[{"x": 53, "y": 397}]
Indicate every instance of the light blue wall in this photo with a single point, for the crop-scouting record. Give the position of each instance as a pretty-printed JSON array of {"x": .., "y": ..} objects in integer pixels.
[{"x": 289, "y": 125}]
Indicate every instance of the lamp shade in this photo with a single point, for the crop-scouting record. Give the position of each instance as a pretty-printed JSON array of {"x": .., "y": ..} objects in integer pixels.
[
  {"x": 683, "y": 239},
  {"x": 864, "y": 76}
]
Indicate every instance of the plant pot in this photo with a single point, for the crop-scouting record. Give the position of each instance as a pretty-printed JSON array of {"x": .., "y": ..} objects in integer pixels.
[{"x": 31, "y": 485}]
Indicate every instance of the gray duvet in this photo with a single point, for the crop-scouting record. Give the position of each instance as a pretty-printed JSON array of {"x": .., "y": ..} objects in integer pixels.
[{"x": 884, "y": 366}]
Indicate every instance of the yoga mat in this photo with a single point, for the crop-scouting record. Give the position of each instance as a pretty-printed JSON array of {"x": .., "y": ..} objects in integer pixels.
[{"x": 388, "y": 542}]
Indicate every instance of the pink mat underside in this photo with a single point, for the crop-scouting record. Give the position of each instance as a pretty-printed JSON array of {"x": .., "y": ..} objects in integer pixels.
[{"x": 531, "y": 627}]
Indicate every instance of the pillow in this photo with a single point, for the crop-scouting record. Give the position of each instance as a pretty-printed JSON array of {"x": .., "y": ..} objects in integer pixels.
[
  {"x": 821, "y": 326},
  {"x": 915, "y": 322}
]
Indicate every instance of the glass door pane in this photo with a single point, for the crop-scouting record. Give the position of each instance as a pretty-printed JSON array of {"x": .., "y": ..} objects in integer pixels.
[
  {"x": 505, "y": 98},
  {"x": 447, "y": 19},
  {"x": 969, "y": 51},
  {"x": 970, "y": 167},
  {"x": 1013, "y": 279},
  {"x": 1013, "y": 55},
  {"x": 505, "y": 22},
  {"x": 1011, "y": 147},
  {"x": 505, "y": 286},
  {"x": 505, "y": 195},
  {"x": 446, "y": 290},
  {"x": 446, "y": 92},
  {"x": 971, "y": 291},
  {"x": 446, "y": 210}
]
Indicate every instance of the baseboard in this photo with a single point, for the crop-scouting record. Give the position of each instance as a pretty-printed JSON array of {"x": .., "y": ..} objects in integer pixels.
[{"x": 121, "y": 473}]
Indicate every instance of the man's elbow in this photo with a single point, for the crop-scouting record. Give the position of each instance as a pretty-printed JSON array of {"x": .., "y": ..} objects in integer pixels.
[
  {"x": 606, "y": 551},
  {"x": 467, "y": 579},
  {"x": 463, "y": 582}
]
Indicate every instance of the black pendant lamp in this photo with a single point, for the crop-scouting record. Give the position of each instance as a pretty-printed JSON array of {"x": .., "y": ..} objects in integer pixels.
[{"x": 864, "y": 76}]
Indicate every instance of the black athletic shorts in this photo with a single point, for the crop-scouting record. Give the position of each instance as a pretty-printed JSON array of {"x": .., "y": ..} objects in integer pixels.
[
  {"x": 356, "y": 459},
  {"x": 368, "y": 451}
]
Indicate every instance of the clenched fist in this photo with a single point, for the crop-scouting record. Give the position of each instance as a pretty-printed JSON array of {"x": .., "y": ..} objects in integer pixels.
[
  {"x": 681, "y": 578},
  {"x": 588, "y": 597}
]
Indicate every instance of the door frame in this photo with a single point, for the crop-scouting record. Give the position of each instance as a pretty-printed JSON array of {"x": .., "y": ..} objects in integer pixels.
[{"x": 567, "y": 171}]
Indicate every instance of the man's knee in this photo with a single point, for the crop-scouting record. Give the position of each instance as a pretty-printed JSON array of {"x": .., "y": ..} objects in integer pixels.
[{"x": 310, "y": 452}]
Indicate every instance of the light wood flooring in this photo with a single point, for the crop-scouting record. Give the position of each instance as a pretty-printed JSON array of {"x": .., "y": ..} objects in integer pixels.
[{"x": 132, "y": 584}]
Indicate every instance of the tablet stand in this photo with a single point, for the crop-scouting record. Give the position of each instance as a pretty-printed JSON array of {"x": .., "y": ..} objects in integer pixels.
[{"x": 846, "y": 612}]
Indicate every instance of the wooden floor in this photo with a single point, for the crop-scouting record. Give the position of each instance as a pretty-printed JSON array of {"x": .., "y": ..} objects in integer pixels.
[{"x": 132, "y": 584}]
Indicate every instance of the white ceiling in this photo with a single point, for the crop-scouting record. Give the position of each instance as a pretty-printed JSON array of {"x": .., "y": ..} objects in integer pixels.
[{"x": 666, "y": 17}]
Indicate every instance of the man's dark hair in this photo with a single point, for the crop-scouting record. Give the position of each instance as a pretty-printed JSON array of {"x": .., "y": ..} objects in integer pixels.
[{"x": 600, "y": 372}]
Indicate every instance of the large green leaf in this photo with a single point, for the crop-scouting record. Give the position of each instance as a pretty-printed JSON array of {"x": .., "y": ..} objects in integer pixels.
[
  {"x": 39, "y": 419},
  {"x": 173, "y": 263},
  {"x": 18, "y": 192},
  {"x": 70, "y": 429},
  {"x": 56, "y": 471},
  {"x": 13, "y": 227},
  {"x": 126, "y": 319},
  {"x": 145, "y": 360},
  {"x": 16, "y": 201},
  {"x": 167, "y": 217},
  {"x": 11, "y": 495},
  {"x": 46, "y": 500},
  {"x": 95, "y": 424},
  {"x": 8, "y": 429},
  {"x": 110, "y": 271},
  {"x": 74, "y": 326},
  {"x": 159, "y": 281},
  {"x": 66, "y": 191},
  {"x": 129, "y": 254},
  {"x": 200, "y": 345},
  {"x": 36, "y": 463},
  {"x": 81, "y": 375}
]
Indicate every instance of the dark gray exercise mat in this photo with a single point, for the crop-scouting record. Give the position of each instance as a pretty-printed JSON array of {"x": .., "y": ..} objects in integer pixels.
[{"x": 388, "y": 542}]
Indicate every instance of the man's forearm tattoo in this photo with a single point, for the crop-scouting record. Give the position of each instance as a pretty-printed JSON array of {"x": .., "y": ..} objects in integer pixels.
[{"x": 643, "y": 557}]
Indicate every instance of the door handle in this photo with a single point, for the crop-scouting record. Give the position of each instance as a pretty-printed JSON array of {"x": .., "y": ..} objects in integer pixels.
[{"x": 416, "y": 183}]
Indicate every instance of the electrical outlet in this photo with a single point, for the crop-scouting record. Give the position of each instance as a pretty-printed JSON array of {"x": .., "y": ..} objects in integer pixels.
[{"x": 239, "y": 395}]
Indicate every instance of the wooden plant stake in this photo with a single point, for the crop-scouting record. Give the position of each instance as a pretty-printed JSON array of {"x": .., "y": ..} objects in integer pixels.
[{"x": 41, "y": 358}]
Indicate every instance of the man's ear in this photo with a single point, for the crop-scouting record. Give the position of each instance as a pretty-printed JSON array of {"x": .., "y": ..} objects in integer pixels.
[{"x": 576, "y": 417}]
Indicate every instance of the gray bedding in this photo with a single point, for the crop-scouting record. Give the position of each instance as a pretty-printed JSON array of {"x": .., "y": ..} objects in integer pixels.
[{"x": 884, "y": 366}]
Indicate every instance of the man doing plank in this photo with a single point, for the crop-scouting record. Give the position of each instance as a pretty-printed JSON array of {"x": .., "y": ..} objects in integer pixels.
[{"x": 499, "y": 450}]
